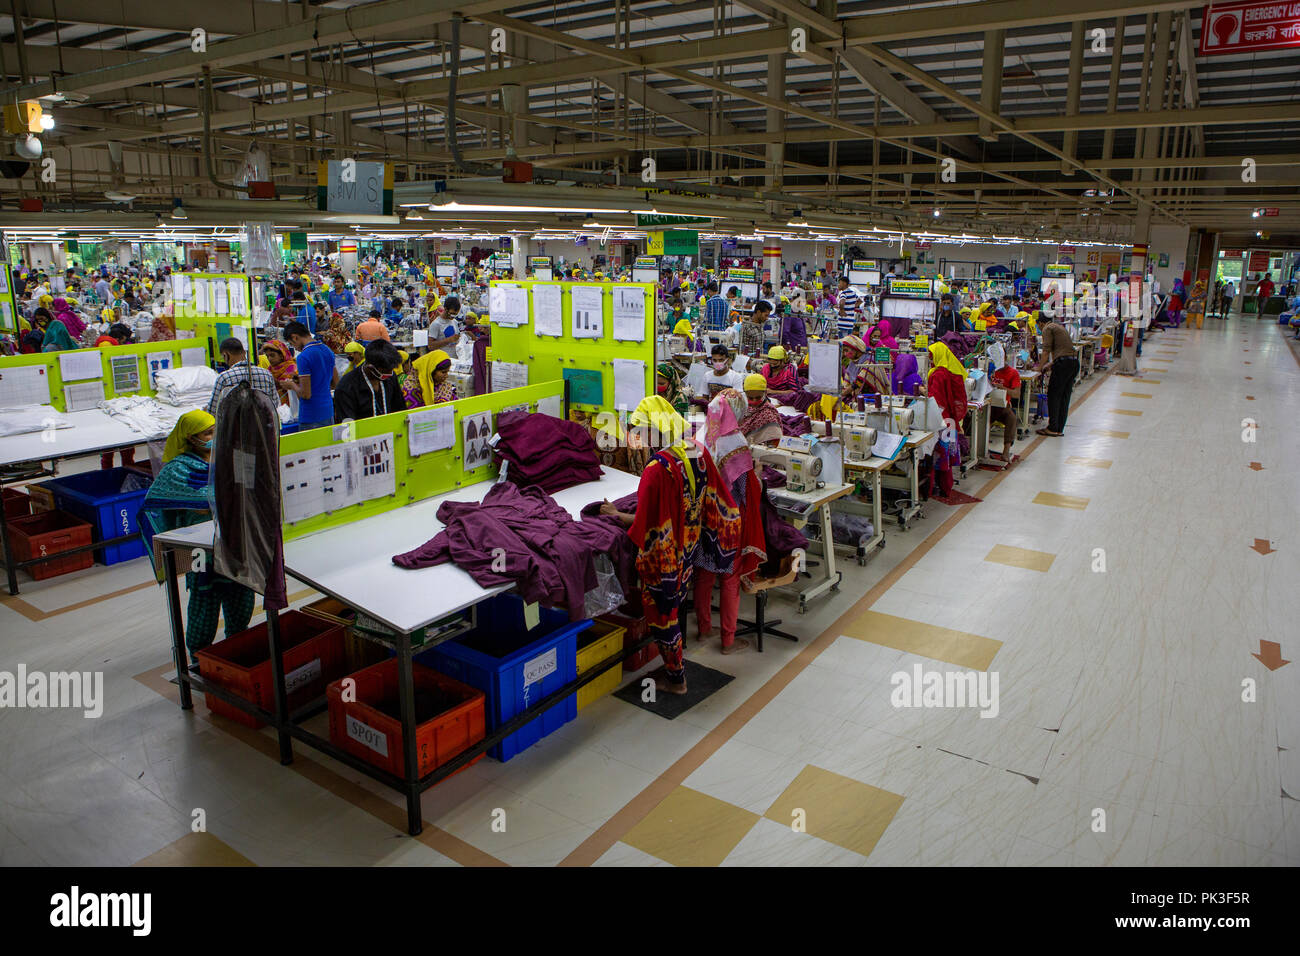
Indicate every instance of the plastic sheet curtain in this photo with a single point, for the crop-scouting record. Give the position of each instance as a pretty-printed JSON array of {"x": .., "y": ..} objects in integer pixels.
[
  {"x": 261, "y": 244},
  {"x": 246, "y": 485}
]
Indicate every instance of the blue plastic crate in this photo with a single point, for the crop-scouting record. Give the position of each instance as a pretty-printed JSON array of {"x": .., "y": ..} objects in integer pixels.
[
  {"x": 514, "y": 667},
  {"x": 97, "y": 497}
]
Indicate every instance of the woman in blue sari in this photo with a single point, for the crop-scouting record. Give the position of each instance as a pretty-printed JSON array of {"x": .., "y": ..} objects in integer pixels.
[{"x": 181, "y": 495}]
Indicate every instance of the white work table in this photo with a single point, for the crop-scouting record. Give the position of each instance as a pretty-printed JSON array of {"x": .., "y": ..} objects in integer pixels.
[
  {"x": 354, "y": 562},
  {"x": 93, "y": 430}
]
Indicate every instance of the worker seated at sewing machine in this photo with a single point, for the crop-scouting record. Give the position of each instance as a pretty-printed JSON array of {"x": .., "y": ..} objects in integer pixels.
[{"x": 720, "y": 376}]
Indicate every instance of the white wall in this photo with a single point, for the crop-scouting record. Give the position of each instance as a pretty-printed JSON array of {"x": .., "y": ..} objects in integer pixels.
[{"x": 1172, "y": 241}]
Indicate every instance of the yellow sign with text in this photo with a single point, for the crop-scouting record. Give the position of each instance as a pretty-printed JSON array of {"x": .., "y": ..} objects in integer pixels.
[{"x": 654, "y": 243}]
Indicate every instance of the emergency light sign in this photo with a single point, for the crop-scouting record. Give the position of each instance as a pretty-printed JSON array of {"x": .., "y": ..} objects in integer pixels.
[{"x": 1249, "y": 26}]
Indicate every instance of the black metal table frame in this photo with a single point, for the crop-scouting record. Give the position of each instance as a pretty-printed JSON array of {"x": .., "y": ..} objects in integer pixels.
[{"x": 287, "y": 724}]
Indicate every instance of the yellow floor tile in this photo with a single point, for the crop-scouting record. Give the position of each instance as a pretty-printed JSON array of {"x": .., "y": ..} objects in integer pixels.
[
  {"x": 1107, "y": 433},
  {"x": 197, "y": 849},
  {"x": 837, "y": 809},
  {"x": 690, "y": 828},
  {"x": 1135, "y": 395},
  {"x": 927, "y": 640},
  {"x": 1060, "y": 501},
  {"x": 1124, "y": 411},
  {"x": 1089, "y": 462},
  {"x": 1020, "y": 557},
  {"x": 1149, "y": 381}
]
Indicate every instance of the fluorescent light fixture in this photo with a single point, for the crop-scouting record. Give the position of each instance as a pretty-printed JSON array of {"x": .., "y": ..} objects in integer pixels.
[{"x": 511, "y": 207}]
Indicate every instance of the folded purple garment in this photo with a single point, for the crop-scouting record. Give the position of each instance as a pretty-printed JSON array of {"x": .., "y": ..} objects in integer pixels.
[
  {"x": 795, "y": 425},
  {"x": 548, "y": 452}
]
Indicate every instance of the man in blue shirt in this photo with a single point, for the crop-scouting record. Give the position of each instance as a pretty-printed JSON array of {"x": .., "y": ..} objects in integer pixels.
[
  {"x": 317, "y": 374},
  {"x": 340, "y": 297},
  {"x": 305, "y": 311},
  {"x": 716, "y": 309}
]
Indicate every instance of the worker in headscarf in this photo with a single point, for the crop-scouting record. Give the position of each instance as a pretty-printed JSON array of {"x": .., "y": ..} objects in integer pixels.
[
  {"x": 355, "y": 353},
  {"x": 431, "y": 373},
  {"x": 685, "y": 517},
  {"x": 180, "y": 495}
]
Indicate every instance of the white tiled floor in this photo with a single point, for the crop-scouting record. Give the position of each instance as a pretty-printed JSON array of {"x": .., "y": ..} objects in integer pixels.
[{"x": 1122, "y": 736}]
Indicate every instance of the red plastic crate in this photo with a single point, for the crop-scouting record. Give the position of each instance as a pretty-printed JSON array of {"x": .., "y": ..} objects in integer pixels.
[
  {"x": 634, "y": 633},
  {"x": 50, "y": 532},
  {"x": 17, "y": 504},
  {"x": 313, "y": 656},
  {"x": 365, "y": 730}
]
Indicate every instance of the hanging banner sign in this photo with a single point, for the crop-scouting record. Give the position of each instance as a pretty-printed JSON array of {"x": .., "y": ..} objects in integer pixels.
[
  {"x": 740, "y": 275},
  {"x": 863, "y": 265},
  {"x": 910, "y": 287},
  {"x": 1058, "y": 269},
  {"x": 1249, "y": 27},
  {"x": 922, "y": 244},
  {"x": 644, "y": 219},
  {"x": 1066, "y": 250}
]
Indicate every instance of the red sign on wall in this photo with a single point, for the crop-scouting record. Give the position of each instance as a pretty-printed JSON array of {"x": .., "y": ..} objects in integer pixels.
[
  {"x": 1233, "y": 253},
  {"x": 922, "y": 244},
  {"x": 1069, "y": 250},
  {"x": 1243, "y": 27},
  {"x": 1272, "y": 211},
  {"x": 1258, "y": 262}
]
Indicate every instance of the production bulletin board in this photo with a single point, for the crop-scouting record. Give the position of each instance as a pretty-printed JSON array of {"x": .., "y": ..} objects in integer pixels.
[
  {"x": 417, "y": 477},
  {"x": 548, "y": 356},
  {"x": 129, "y": 375}
]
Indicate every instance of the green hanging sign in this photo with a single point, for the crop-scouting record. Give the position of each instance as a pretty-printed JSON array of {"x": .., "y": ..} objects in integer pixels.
[{"x": 644, "y": 219}]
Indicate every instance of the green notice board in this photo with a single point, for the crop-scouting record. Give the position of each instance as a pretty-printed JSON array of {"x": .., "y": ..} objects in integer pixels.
[{"x": 549, "y": 356}]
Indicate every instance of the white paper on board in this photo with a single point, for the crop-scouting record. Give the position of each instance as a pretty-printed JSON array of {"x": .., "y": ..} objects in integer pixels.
[
  {"x": 125, "y": 373},
  {"x": 587, "y": 312},
  {"x": 508, "y": 305},
  {"x": 194, "y": 358},
  {"x": 551, "y": 405},
  {"x": 77, "y": 366},
  {"x": 824, "y": 367},
  {"x": 420, "y": 338},
  {"x": 507, "y": 375},
  {"x": 629, "y": 313},
  {"x": 241, "y": 333},
  {"x": 629, "y": 383},
  {"x": 157, "y": 362},
  {"x": 431, "y": 429},
  {"x": 83, "y": 395},
  {"x": 548, "y": 313},
  {"x": 201, "y": 297},
  {"x": 740, "y": 364}
]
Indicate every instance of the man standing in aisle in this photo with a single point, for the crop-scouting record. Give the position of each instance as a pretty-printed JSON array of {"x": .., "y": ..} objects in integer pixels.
[
  {"x": 317, "y": 374},
  {"x": 847, "y": 305},
  {"x": 1263, "y": 292},
  {"x": 717, "y": 313},
  {"x": 1058, "y": 354},
  {"x": 1229, "y": 293},
  {"x": 239, "y": 369},
  {"x": 340, "y": 297}
]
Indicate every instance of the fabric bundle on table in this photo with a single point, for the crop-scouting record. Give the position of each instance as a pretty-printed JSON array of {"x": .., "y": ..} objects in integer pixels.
[
  {"x": 188, "y": 387},
  {"x": 520, "y": 536},
  {"x": 547, "y": 452},
  {"x": 148, "y": 416}
]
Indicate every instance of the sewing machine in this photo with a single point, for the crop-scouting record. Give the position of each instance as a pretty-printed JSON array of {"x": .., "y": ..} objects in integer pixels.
[{"x": 801, "y": 467}]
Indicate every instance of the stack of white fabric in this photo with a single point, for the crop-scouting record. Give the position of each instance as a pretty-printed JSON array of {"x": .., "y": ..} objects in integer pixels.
[{"x": 185, "y": 386}]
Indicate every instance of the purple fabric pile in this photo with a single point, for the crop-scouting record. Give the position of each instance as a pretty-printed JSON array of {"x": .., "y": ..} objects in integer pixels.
[
  {"x": 960, "y": 343},
  {"x": 795, "y": 425},
  {"x": 522, "y": 537},
  {"x": 547, "y": 452}
]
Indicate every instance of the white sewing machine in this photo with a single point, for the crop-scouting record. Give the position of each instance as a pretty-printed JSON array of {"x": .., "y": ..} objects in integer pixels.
[{"x": 795, "y": 458}]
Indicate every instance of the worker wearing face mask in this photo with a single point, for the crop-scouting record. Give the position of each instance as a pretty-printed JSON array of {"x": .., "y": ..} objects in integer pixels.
[
  {"x": 721, "y": 375},
  {"x": 947, "y": 320}
]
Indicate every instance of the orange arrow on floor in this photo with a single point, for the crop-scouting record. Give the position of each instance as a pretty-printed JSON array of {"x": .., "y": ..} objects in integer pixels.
[
  {"x": 1262, "y": 546},
  {"x": 1270, "y": 655},
  {"x": 1255, "y": 466}
]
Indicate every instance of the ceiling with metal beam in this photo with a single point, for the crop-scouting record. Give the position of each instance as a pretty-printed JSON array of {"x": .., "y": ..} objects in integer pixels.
[{"x": 1096, "y": 115}]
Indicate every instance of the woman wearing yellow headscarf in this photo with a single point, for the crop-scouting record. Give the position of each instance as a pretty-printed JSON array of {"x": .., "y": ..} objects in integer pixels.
[
  {"x": 946, "y": 383},
  {"x": 685, "y": 517},
  {"x": 181, "y": 495},
  {"x": 431, "y": 370}
]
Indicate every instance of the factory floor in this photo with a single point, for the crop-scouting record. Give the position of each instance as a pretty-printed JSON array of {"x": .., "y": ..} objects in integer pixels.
[{"x": 1115, "y": 596}]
